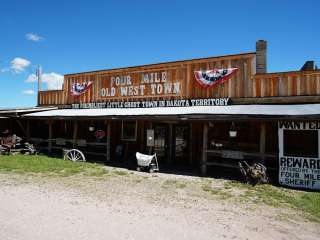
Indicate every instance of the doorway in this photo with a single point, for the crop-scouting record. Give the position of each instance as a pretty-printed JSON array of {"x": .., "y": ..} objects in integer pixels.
[{"x": 171, "y": 143}]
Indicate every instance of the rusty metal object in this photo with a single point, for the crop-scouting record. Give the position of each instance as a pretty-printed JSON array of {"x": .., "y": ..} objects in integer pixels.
[
  {"x": 253, "y": 174},
  {"x": 15, "y": 144}
]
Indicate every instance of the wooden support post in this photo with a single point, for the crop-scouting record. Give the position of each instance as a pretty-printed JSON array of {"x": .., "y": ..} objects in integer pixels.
[
  {"x": 204, "y": 149},
  {"x": 171, "y": 144},
  {"x": 142, "y": 136},
  {"x": 50, "y": 136},
  {"x": 151, "y": 148},
  {"x": 75, "y": 134},
  {"x": 22, "y": 128},
  {"x": 190, "y": 144},
  {"x": 108, "y": 140},
  {"x": 262, "y": 141},
  {"x": 28, "y": 130}
]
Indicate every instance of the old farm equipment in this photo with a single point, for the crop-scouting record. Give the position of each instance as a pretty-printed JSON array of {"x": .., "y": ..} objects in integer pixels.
[
  {"x": 147, "y": 162},
  {"x": 253, "y": 174},
  {"x": 15, "y": 144},
  {"x": 74, "y": 155}
]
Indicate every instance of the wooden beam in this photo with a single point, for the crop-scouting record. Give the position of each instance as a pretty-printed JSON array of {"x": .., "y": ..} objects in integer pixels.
[
  {"x": 142, "y": 135},
  {"x": 108, "y": 140},
  {"x": 50, "y": 136},
  {"x": 277, "y": 100},
  {"x": 28, "y": 130},
  {"x": 151, "y": 148},
  {"x": 262, "y": 146},
  {"x": 22, "y": 127},
  {"x": 190, "y": 143},
  {"x": 75, "y": 134},
  {"x": 171, "y": 143},
  {"x": 204, "y": 149}
]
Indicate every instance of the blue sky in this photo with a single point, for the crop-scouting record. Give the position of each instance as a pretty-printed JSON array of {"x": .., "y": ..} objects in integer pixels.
[{"x": 74, "y": 36}]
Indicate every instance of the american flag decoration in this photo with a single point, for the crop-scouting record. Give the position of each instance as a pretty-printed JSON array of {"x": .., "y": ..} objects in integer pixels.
[
  {"x": 78, "y": 89},
  {"x": 213, "y": 77}
]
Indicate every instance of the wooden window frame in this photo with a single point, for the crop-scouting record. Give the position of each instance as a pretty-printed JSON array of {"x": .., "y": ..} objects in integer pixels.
[{"x": 135, "y": 130}]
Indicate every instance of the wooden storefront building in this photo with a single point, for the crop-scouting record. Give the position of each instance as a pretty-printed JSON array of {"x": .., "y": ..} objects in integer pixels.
[{"x": 200, "y": 114}]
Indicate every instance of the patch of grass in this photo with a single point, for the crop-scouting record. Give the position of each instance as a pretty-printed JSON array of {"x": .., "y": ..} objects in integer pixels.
[
  {"x": 120, "y": 173},
  {"x": 174, "y": 183},
  {"x": 222, "y": 194},
  {"x": 49, "y": 165},
  {"x": 96, "y": 172},
  {"x": 308, "y": 202}
]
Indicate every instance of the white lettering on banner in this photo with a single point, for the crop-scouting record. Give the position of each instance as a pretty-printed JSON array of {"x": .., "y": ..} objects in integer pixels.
[
  {"x": 160, "y": 103},
  {"x": 121, "y": 80},
  {"x": 300, "y": 172},
  {"x": 154, "y": 77},
  {"x": 155, "y": 83}
]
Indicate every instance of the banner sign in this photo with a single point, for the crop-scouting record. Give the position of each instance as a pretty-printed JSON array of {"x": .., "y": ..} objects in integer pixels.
[
  {"x": 158, "y": 103},
  {"x": 213, "y": 77},
  {"x": 297, "y": 171},
  {"x": 160, "y": 83},
  {"x": 78, "y": 89}
]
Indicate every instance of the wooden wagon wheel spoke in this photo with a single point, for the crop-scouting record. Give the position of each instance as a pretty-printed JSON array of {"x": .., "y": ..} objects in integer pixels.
[
  {"x": 78, "y": 157},
  {"x": 69, "y": 156},
  {"x": 74, "y": 155}
]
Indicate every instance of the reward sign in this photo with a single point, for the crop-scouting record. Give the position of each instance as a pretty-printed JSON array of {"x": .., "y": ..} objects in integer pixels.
[
  {"x": 300, "y": 172},
  {"x": 160, "y": 103},
  {"x": 297, "y": 171}
]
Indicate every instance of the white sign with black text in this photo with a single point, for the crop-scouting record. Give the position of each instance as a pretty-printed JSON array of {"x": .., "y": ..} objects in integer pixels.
[
  {"x": 299, "y": 156},
  {"x": 156, "y": 103}
]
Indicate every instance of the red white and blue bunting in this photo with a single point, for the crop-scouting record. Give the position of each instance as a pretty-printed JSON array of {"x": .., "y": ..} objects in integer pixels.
[
  {"x": 213, "y": 77},
  {"x": 78, "y": 89}
]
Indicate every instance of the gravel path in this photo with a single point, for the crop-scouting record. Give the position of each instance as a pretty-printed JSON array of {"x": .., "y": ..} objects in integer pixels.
[{"x": 121, "y": 207}]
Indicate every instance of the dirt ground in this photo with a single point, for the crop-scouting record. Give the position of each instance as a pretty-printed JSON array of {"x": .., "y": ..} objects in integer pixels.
[{"x": 135, "y": 206}]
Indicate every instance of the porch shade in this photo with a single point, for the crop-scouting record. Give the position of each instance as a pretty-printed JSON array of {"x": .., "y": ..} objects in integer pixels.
[{"x": 298, "y": 111}]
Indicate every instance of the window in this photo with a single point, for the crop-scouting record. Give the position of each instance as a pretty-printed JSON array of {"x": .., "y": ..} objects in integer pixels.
[
  {"x": 300, "y": 143},
  {"x": 129, "y": 130}
]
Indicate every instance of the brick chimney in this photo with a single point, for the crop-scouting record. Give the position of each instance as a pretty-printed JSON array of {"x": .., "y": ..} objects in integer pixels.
[{"x": 261, "y": 56}]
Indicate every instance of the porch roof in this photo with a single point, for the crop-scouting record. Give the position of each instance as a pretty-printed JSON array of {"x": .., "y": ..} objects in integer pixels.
[
  {"x": 294, "y": 111},
  {"x": 15, "y": 112}
]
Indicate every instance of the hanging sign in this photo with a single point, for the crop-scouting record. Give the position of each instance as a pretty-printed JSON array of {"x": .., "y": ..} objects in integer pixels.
[
  {"x": 295, "y": 169},
  {"x": 213, "y": 77},
  {"x": 78, "y": 89}
]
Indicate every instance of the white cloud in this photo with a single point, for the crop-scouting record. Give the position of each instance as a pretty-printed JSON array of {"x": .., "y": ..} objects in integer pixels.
[
  {"x": 53, "y": 80},
  {"x": 28, "y": 92},
  {"x": 31, "y": 78},
  {"x": 34, "y": 37},
  {"x": 18, "y": 65}
]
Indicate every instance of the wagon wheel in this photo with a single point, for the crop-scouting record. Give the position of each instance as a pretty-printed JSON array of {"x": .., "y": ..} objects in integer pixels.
[{"x": 74, "y": 155}]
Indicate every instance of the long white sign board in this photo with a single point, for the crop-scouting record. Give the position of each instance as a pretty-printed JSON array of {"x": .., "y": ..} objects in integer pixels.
[{"x": 295, "y": 171}]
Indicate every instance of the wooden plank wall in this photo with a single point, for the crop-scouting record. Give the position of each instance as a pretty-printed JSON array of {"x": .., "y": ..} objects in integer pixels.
[
  {"x": 302, "y": 83},
  {"x": 243, "y": 84}
]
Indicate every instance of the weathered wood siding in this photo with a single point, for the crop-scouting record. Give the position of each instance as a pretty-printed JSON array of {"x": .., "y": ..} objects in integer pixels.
[
  {"x": 243, "y": 84},
  {"x": 302, "y": 83}
]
